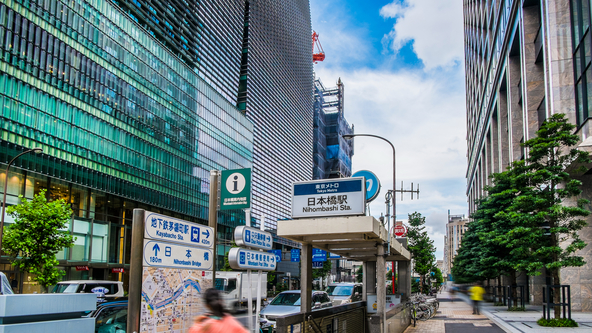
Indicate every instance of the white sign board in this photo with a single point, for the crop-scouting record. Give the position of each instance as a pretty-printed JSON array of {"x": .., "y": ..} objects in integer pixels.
[
  {"x": 170, "y": 229},
  {"x": 329, "y": 197},
  {"x": 240, "y": 258},
  {"x": 163, "y": 254},
  {"x": 251, "y": 237},
  {"x": 391, "y": 301}
]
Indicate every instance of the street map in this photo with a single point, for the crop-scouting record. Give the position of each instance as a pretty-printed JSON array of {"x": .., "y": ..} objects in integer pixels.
[{"x": 171, "y": 298}]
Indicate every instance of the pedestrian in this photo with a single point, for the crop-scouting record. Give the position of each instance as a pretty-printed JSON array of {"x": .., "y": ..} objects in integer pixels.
[
  {"x": 451, "y": 292},
  {"x": 5, "y": 288},
  {"x": 477, "y": 297},
  {"x": 217, "y": 320}
]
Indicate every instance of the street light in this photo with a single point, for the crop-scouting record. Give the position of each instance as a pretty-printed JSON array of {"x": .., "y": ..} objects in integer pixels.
[
  {"x": 350, "y": 136},
  {"x": 37, "y": 151}
]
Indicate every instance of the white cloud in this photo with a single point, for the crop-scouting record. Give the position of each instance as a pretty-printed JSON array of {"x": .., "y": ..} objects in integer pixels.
[{"x": 435, "y": 27}]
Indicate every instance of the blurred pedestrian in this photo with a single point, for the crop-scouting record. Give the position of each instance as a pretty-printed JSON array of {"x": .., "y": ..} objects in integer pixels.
[
  {"x": 477, "y": 297},
  {"x": 218, "y": 320},
  {"x": 5, "y": 288},
  {"x": 451, "y": 292}
]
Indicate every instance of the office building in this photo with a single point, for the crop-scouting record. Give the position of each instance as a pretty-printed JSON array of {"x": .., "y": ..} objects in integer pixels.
[
  {"x": 524, "y": 61},
  {"x": 125, "y": 121},
  {"x": 455, "y": 229},
  {"x": 331, "y": 152}
]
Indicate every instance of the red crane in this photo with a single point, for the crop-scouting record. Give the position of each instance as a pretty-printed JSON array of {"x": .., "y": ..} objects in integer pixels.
[{"x": 320, "y": 54}]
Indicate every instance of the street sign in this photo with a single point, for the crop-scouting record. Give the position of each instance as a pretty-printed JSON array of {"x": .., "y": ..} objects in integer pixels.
[
  {"x": 372, "y": 184},
  {"x": 295, "y": 255},
  {"x": 399, "y": 229},
  {"x": 240, "y": 258},
  {"x": 163, "y": 254},
  {"x": 235, "y": 189},
  {"x": 170, "y": 229},
  {"x": 334, "y": 256},
  {"x": 329, "y": 197},
  {"x": 319, "y": 255},
  {"x": 251, "y": 237},
  {"x": 317, "y": 264},
  {"x": 278, "y": 255}
]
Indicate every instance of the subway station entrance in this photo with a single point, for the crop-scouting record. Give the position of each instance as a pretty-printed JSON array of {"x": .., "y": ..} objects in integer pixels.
[{"x": 360, "y": 238}]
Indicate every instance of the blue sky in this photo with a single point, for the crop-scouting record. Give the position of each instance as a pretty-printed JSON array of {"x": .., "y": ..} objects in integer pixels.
[{"x": 402, "y": 66}]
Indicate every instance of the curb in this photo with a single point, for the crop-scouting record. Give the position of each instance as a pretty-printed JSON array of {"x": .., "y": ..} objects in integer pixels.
[{"x": 500, "y": 323}]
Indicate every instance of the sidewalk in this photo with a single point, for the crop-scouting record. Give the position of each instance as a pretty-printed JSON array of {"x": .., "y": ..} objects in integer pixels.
[
  {"x": 454, "y": 317},
  {"x": 525, "y": 322}
]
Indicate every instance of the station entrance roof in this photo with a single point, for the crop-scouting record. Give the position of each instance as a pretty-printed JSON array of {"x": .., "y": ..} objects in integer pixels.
[{"x": 354, "y": 238}]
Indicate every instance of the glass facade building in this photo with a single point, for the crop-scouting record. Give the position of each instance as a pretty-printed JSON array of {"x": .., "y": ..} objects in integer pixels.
[
  {"x": 277, "y": 56},
  {"x": 125, "y": 120}
]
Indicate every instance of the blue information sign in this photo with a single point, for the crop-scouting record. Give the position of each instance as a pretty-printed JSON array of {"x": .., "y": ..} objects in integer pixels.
[
  {"x": 319, "y": 255},
  {"x": 317, "y": 264},
  {"x": 372, "y": 184},
  {"x": 295, "y": 255},
  {"x": 278, "y": 255}
]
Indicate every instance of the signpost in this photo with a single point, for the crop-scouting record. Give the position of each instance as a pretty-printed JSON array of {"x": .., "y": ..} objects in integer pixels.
[
  {"x": 278, "y": 255},
  {"x": 372, "y": 184},
  {"x": 319, "y": 255},
  {"x": 399, "y": 229},
  {"x": 295, "y": 255},
  {"x": 252, "y": 237},
  {"x": 329, "y": 197},
  {"x": 240, "y": 258}
]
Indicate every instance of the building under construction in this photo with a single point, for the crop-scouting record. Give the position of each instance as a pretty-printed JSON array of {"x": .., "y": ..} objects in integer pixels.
[{"x": 332, "y": 153}]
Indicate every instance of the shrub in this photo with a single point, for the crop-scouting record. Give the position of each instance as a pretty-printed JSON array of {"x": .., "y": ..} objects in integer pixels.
[
  {"x": 562, "y": 322},
  {"x": 517, "y": 308}
]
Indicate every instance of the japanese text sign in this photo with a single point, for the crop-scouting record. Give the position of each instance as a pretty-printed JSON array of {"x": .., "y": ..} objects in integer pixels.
[
  {"x": 240, "y": 258},
  {"x": 329, "y": 197},
  {"x": 252, "y": 237},
  {"x": 295, "y": 255},
  {"x": 170, "y": 229}
]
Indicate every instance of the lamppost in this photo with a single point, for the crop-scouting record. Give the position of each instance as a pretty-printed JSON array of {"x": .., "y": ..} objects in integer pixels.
[
  {"x": 37, "y": 151},
  {"x": 350, "y": 136}
]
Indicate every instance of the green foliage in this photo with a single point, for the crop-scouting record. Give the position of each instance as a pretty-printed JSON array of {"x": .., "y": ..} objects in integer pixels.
[
  {"x": 360, "y": 274},
  {"x": 322, "y": 272},
  {"x": 498, "y": 304},
  {"x": 37, "y": 236},
  {"x": 437, "y": 276},
  {"x": 517, "y": 308},
  {"x": 562, "y": 322},
  {"x": 420, "y": 246}
]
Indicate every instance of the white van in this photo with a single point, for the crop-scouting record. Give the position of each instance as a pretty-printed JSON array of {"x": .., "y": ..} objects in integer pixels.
[{"x": 107, "y": 289}]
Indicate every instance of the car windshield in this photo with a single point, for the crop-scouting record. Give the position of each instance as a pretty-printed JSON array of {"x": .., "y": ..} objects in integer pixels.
[
  {"x": 114, "y": 319},
  {"x": 292, "y": 299},
  {"x": 340, "y": 290},
  {"x": 66, "y": 288}
]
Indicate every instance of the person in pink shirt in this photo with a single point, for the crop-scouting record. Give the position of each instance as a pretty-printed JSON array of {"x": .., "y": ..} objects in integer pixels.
[{"x": 218, "y": 320}]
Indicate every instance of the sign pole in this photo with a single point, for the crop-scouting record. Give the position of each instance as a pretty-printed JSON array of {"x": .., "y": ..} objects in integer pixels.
[
  {"x": 136, "y": 270},
  {"x": 261, "y": 226},
  {"x": 249, "y": 283},
  {"x": 213, "y": 214}
]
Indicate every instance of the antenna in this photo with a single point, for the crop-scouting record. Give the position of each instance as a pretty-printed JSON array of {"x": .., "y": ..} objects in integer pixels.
[{"x": 412, "y": 191}]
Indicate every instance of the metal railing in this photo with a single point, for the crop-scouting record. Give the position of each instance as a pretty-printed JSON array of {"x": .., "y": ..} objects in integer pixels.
[
  {"x": 564, "y": 302},
  {"x": 349, "y": 318},
  {"x": 519, "y": 298}
]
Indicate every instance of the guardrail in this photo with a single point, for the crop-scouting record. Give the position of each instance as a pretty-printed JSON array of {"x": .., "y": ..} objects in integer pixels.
[{"x": 348, "y": 318}]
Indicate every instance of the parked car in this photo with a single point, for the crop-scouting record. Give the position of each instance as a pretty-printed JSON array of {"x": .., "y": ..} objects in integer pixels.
[
  {"x": 111, "y": 316},
  {"x": 106, "y": 289},
  {"x": 343, "y": 293},
  {"x": 288, "y": 302}
]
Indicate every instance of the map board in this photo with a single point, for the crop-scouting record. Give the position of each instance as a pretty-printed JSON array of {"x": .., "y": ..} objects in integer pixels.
[{"x": 177, "y": 263}]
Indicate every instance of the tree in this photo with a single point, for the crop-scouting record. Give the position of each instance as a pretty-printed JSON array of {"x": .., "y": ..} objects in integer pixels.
[
  {"x": 437, "y": 275},
  {"x": 546, "y": 232},
  {"x": 420, "y": 246},
  {"x": 37, "y": 236},
  {"x": 360, "y": 274}
]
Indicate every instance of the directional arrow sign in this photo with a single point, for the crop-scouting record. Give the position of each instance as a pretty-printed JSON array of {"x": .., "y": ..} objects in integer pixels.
[
  {"x": 240, "y": 258},
  {"x": 170, "y": 229},
  {"x": 252, "y": 237},
  {"x": 176, "y": 256}
]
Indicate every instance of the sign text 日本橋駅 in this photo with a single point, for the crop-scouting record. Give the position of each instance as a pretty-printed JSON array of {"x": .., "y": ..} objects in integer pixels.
[
  {"x": 252, "y": 237},
  {"x": 170, "y": 229},
  {"x": 240, "y": 258},
  {"x": 163, "y": 254},
  {"x": 329, "y": 197}
]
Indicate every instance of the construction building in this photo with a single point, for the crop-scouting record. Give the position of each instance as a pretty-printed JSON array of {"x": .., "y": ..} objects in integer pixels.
[
  {"x": 526, "y": 60},
  {"x": 331, "y": 152}
]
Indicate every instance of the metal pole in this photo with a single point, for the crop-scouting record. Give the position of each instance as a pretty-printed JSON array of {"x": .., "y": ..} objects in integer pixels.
[
  {"x": 136, "y": 270},
  {"x": 36, "y": 150},
  {"x": 249, "y": 280},
  {"x": 213, "y": 216},
  {"x": 258, "y": 308}
]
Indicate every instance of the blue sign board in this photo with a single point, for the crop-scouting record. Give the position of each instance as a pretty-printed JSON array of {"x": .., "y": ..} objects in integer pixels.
[
  {"x": 317, "y": 264},
  {"x": 372, "y": 184},
  {"x": 295, "y": 255},
  {"x": 170, "y": 229},
  {"x": 252, "y": 237},
  {"x": 164, "y": 254},
  {"x": 319, "y": 255},
  {"x": 334, "y": 256},
  {"x": 278, "y": 255},
  {"x": 239, "y": 258}
]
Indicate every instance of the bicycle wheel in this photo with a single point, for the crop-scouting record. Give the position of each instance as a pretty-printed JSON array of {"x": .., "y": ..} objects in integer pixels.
[{"x": 424, "y": 315}]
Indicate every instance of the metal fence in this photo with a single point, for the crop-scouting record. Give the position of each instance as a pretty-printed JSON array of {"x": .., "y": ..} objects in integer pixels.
[{"x": 349, "y": 318}]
